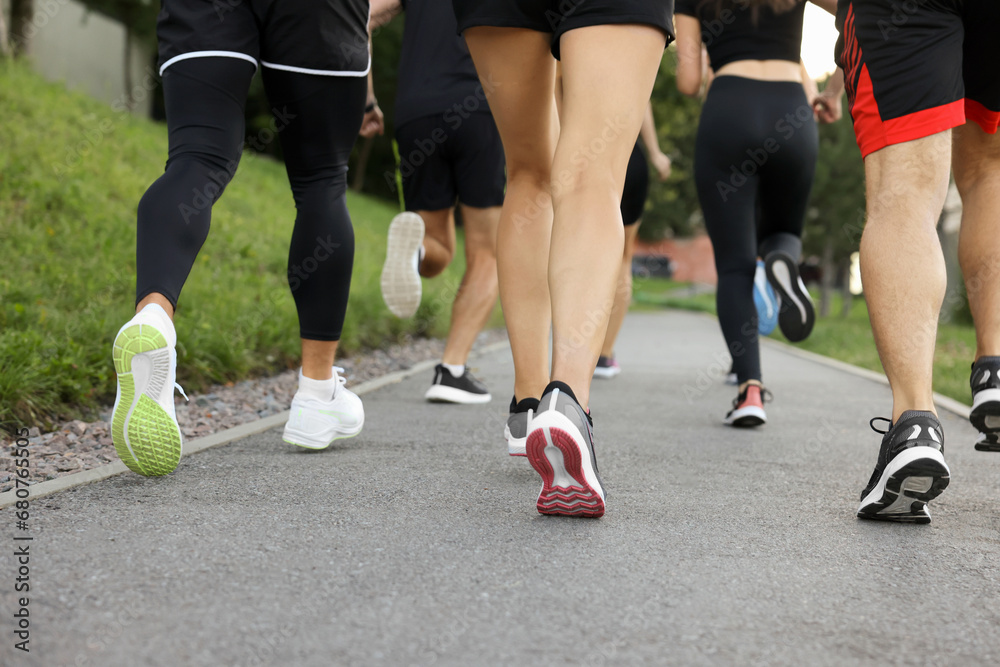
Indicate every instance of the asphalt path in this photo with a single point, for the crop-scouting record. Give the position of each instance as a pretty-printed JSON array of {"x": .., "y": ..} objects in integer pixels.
[{"x": 418, "y": 541}]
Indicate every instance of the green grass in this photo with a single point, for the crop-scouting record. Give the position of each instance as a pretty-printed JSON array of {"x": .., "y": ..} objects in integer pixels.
[
  {"x": 72, "y": 172},
  {"x": 847, "y": 339}
]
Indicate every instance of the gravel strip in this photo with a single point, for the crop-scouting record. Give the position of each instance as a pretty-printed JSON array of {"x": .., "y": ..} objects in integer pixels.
[{"x": 77, "y": 445}]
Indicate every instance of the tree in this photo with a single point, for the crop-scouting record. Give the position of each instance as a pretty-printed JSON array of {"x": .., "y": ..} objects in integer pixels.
[
  {"x": 4, "y": 37},
  {"x": 836, "y": 216},
  {"x": 672, "y": 207},
  {"x": 21, "y": 13}
]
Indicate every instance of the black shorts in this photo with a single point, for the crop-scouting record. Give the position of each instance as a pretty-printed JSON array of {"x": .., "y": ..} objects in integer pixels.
[
  {"x": 636, "y": 187},
  {"x": 560, "y": 16},
  {"x": 914, "y": 68},
  {"x": 326, "y": 37},
  {"x": 447, "y": 157}
]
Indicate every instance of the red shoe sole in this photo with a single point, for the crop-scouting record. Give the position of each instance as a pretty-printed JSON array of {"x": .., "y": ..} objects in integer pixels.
[{"x": 578, "y": 499}]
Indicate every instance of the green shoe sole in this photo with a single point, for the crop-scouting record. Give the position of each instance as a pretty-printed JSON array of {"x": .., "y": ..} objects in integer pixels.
[{"x": 146, "y": 438}]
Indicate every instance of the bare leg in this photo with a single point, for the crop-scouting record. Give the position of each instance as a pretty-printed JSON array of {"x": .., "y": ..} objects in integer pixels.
[
  {"x": 439, "y": 241},
  {"x": 317, "y": 358},
  {"x": 159, "y": 300},
  {"x": 623, "y": 292},
  {"x": 518, "y": 74},
  {"x": 977, "y": 175},
  {"x": 597, "y": 138},
  {"x": 902, "y": 265},
  {"x": 478, "y": 293}
]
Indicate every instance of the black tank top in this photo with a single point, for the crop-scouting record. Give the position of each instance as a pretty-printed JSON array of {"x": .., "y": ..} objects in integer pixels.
[{"x": 733, "y": 35}]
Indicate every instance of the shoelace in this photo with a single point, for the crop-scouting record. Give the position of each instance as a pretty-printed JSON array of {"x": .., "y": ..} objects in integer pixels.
[
  {"x": 179, "y": 388},
  {"x": 871, "y": 423}
]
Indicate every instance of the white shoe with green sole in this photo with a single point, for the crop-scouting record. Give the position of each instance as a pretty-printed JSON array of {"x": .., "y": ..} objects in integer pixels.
[{"x": 144, "y": 425}]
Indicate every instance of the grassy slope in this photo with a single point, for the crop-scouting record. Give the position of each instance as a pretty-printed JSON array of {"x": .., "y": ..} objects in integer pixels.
[
  {"x": 72, "y": 171},
  {"x": 848, "y": 339}
]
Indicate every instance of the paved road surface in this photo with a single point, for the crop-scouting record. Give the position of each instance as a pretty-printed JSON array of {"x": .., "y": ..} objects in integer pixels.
[{"x": 418, "y": 542}]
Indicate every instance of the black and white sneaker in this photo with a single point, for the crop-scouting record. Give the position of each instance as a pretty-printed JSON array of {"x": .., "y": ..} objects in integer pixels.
[
  {"x": 464, "y": 389},
  {"x": 910, "y": 470},
  {"x": 560, "y": 448},
  {"x": 985, "y": 415},
  {"x": 516, "y": 430},
  {"x": 796, "y": 316},
  {"x": 731, "y": 377}
]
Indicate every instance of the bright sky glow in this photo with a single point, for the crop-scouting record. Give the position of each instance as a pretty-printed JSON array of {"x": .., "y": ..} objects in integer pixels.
[{"x": 819, "y": 36}]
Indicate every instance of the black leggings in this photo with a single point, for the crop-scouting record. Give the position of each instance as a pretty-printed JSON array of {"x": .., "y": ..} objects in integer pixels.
[
  {"x": 316, "y": 118},
  {"x": 755, "y": 157}
]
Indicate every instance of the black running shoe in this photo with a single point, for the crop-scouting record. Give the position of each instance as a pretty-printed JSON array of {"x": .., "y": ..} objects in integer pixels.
[
  {"x": 796, "y": 316},
  {"x": 910, "y": 470},
  {"x": 560, "y": 448},
  {"x": 731, "y": 377},
  {"x": 985, "y": 415},
  {"x": 447, "y": 388},
  {"x": 516, "y": 430}
]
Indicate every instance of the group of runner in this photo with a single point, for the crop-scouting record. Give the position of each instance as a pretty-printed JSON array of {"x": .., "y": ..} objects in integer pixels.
[{"x": 550, "y": 217}]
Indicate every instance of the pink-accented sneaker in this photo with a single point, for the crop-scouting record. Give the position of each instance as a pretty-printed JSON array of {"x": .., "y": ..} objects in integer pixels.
[
  {"x": 560, "y": 447},
  {"x": 748, "y": 407},
  {"x": 607, "y": 368}
]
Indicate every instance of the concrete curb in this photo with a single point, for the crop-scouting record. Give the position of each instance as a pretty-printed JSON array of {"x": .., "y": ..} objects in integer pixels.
[{"x": 225, "y": 437}]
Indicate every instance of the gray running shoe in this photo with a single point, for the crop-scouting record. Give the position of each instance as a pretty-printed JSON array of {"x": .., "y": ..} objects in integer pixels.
[
  {"x": 516, "y": 430},
  {"x": 560, "y": 448}
]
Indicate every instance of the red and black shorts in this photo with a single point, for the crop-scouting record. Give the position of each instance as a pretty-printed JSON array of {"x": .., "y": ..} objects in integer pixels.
[
  {"x": 560, "y": 16},
  {"x": 914, "y": 68}
]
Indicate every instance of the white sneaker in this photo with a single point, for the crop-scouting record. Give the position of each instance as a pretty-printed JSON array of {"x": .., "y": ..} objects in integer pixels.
[
  {"x": 143, "y": 424},
  {"x": 314, "y": 423},
  {"x": 401, "y": 286}
]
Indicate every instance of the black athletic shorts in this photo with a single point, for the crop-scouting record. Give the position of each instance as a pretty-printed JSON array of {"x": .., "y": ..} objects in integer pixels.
[
  {"x": 914, "y": 68},
  {"x": 560, "y": 16},
  {"x": 326, "y": 37},
  {"x": 447, "y": 157},
  {"x": 636, "y": 187}
]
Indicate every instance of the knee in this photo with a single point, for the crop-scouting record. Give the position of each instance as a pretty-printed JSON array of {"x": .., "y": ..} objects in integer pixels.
[
  {"x": 481, "y": 262},
  {"x": 970, "y": 175},
  {"x": 330, "y": 183}
]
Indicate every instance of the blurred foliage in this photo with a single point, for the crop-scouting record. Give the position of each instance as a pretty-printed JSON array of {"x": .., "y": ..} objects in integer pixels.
[{"x": 837, "y": 206}]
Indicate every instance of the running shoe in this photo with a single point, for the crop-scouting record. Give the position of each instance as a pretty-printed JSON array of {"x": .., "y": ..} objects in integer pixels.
[
  {"x": 910, "y": 470},
  {"x": 560, "y": 448},
  {"x": 731, "y": 377},
  {"x": 607, "y": 367},
  {"x": 144, "y": 426},
  {"x": 315, "y": 424},
  {"x": 465, "y": 389},
  {"x": 748, "y": 407},
  {"x": 796, "y": 315},
  {"x": 985, "y": 415},
  {"x": 516, "y": 430},
  {"x": 401, "y": 287},
  {"x": 765, "y": 300}
]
